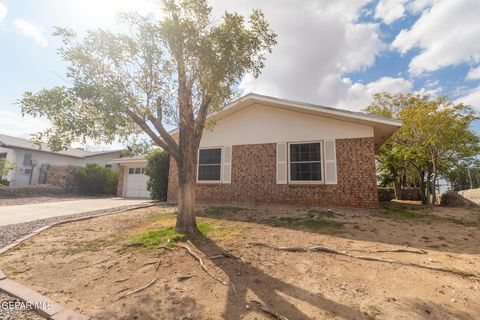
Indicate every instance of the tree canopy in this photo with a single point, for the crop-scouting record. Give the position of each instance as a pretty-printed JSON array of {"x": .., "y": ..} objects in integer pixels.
[
  {"x": 434, "y": 138},
  {"x": 153, "y": 76}
]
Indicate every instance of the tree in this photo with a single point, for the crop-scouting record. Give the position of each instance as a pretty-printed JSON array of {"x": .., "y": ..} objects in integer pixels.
[
  {"x": 157, "y": 169},
  {"x": 168, "y": 73},
  {"x": 5, "y": 167},
  {"x": 434, "y": 138},
  {"x": 136, "y": 148}
]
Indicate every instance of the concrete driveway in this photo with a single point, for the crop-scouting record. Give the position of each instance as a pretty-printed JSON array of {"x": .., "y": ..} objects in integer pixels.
[{"x": 38, "y": 211}]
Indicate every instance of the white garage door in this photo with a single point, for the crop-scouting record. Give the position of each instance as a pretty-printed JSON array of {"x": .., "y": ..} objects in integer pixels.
[{"x": 136, "y": 183}]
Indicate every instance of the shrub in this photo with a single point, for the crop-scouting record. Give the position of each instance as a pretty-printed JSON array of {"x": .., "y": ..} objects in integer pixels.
[
  {"x": 4, "y": 183},
  {"x": 157, "y": 170},
  {"x": 95, "y": 179}
]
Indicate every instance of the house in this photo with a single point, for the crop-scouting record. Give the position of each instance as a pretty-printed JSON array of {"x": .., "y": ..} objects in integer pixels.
[
  {"x": 269, "y": 150},
  {"x": 132, "y": 180},
  {"x": 31, "y": 160}
]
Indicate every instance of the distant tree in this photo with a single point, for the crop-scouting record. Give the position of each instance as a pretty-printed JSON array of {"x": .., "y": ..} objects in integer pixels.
[
  {"x": 174, "y": 72},
  {"x": 5, "y": 168},
  {"x": 157, "y": 169},
  {"x": 435, "y": 136},
  {"x": 136, "y": 148}
]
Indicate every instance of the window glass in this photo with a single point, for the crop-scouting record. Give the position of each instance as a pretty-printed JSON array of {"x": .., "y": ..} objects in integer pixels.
[
  {"x": 138, "y": 170},
  {"x": 209, "y": 164},
  {"x": 27, "y": 159},
  {"x": 131, "y": 170},
  {"x": 143, "y": 170},
  {"x": 305, "y": 162}
]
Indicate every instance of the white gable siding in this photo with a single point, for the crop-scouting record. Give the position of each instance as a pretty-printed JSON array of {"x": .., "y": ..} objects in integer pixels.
[{"x": 261, "y": 124}]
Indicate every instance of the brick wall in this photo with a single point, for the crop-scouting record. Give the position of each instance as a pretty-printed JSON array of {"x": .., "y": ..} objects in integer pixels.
[
  {"x": 60, "y": 175},
  {"x": 254, "y": 179}
]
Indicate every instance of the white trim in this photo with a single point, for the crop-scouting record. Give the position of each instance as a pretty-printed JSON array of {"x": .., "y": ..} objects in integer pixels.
[
  {"x": 221, "y": 165},
  {"x": 305, "y": 106},
  {"x": 290, "y": 181}
]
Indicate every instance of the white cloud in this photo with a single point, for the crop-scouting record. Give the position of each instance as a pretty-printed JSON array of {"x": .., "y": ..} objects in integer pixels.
[
  {"x": 3, "y": 11},
  {"x": 318, "y": 43},
  {"x": 446, "y": 34},
  {"x": 472, "y": 99},
  {"x": 359, "y": 95},
  {"x": 390, "y": 10},
  {"x": 29, "y": 30},
  {"x": 474, "y": 74},
  {"x": 14, "y": 124},
  {"x": 417, "y": 6}
]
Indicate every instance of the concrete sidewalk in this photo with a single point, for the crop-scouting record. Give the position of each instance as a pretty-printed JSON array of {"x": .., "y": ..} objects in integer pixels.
[{"x": 38, "y": 211}]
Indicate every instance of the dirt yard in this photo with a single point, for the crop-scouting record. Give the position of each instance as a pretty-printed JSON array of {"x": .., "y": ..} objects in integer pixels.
[{"x": 93, "y": 266}]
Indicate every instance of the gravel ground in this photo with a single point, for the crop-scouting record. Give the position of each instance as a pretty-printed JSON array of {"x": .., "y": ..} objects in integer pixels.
[
  {"x": 15, "y": 313},
  {"x": 10, "y": 233}
]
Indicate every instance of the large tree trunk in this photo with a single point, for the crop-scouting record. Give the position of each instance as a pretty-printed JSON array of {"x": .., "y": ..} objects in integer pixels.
[
  {"x": 423, "y": 196},
  {"x": 186, "y": 222},
  {"x": 397, "y": 187}
]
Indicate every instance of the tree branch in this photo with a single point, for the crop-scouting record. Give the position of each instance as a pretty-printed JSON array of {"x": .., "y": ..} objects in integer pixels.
[{"x": 201, "y": 118}]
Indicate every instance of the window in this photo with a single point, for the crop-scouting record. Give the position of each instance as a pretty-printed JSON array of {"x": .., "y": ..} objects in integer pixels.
[
  {"x": 138, "y": 170},
  {"x": 27, "y": 159},
  {"x": 131, "y": 170},
  {"x": 305, "y": 162},
  {"x": 209, "y": 164}
]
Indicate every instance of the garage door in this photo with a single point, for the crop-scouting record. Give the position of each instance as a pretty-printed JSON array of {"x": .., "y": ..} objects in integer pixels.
[{"x": 136, "y": 183}]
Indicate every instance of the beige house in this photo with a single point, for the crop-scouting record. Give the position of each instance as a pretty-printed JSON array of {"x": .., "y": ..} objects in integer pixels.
[{"x": 264, "y": 149}]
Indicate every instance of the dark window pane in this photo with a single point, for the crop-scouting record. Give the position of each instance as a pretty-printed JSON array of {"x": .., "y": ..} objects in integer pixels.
[
  {"x": 210, "y": 156},
  {"x": 309, "y": 171},
  {"x": 209, "y": 172},
  {"x": 27, "y": 159},
  {"x": 305, "y": 152},
  {"x": 137, "y": 170},
  {"x": 131, "y": 170}
]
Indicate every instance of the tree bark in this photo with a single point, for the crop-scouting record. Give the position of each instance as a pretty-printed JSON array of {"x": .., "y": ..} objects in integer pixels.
[
  {"x": 397, "y": 186},
  {"x": 423, "y": 196},
  {"x": 186, "y": 222}
]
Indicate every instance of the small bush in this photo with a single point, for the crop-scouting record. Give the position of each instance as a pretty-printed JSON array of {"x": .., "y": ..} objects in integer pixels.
[
  {"x": 95, "y": 179},
  {"x": 4, "y": 183},
  {"x": 157, "y": 170}
]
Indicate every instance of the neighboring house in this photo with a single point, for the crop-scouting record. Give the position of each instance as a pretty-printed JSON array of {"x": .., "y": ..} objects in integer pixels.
[
  {"x": 132, "y": 180},
  {"x": 32, "y": 160},
  {"x": 268, "y": 150}
]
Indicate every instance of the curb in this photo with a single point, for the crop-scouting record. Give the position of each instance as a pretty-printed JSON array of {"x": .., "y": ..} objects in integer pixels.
[{"x": 54, "y": 311}]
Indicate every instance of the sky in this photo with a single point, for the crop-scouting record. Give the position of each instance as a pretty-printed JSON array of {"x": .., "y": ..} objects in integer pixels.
[{"x": 329, "y": 52}]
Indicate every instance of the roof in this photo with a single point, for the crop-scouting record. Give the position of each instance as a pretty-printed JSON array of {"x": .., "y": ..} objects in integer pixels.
[
  {"x": 136, "y": 159},
  {"x": 383, "y": 127},
  {"x": 20, "y": 143}
]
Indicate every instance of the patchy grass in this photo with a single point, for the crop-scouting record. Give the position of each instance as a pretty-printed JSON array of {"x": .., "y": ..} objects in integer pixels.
[
  {"x": 221, "y": 210},
  {"x": 89, "y": 246},
  {"x": 312, "y": 212},
  {"x": 375, "y": 310},
  {"x": 155, "y": 238},
  {"x": 402, "y": 213},
  {"x": 306, "y": 223},
  {"x": 162, "y": 232}
]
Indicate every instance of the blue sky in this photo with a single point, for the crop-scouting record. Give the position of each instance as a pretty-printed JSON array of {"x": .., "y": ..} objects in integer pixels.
[{"x": 334, "y": 53}]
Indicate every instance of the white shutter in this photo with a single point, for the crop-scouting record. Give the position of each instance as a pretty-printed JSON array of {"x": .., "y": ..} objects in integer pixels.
[
  {"x": 330, "y": 159},
  {"x": 227, "y": 164},
  {"x": 281, "y": 163}
]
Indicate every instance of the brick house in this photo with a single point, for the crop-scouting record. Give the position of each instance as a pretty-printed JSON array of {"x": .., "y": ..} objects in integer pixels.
[{"x": 268, "y": 150}]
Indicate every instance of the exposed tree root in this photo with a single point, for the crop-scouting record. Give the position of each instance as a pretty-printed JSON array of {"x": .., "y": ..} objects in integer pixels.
[
  {"x": 400, "y": 250},
  {"x": 92, "y": 265},
  {"x": 369, "y": 258},
  {"x": 136, "y": 290},
  {"x": 262, "y": 307},
  {"x": 185, "y": 277},
  {"x": 200, "y": 261}
]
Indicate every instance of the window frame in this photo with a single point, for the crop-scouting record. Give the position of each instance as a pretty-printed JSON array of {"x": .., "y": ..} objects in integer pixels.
[
  {"x": 221, "y": 165},
  {"x": 322, "y": 164}
]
